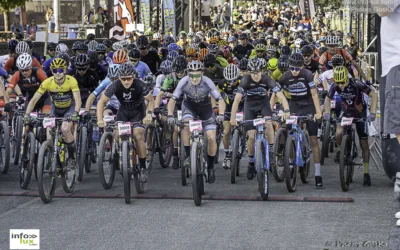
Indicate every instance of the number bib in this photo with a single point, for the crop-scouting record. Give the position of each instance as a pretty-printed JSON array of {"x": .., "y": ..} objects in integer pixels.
[
  {"x": 291, "y": 120},
  {"x": 239, "y": 117},
  {"x": 259, "y": 121},
  {"x": 124, "y": 128},
  {"x": 346, "y": 121},
  {"x": 49, "y": 122},
  {"x": 195, "y": 126}
]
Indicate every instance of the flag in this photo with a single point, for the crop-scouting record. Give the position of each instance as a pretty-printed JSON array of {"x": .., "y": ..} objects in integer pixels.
[{"x": 307, "y": 7}]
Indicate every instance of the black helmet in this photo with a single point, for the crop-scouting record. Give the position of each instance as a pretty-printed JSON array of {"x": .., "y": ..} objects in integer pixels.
[
  {"x": 82, "y": 60},
  {"x": 30, "y": 43},
  {"x": 296, "y": 60},
  {"x": 134, "y": 53},
  {"x": 243, "y": 35},
  {"x": 75, "y": 45},
  {"x": 283, "y": 63},
  {"x": 210, "y": 60},
  {"x": 168, "y": 40},
  {"x": 322, "y": 50},
  {"x": 285, "y": 50},
  {"x": 307, "y": 50},
  {"x": 51, "y": 46},
  {"x": 142, "y": 42},
  {"x": 127, "y": 69},
  {"x": 82, "y": 46},
  {"x": 11, "y": 45},
  {"x": 90, "y": 37},
  {"x": 243, "y": 64},
  {"x": 303, "y": 43},
  {"x": 274, "y": 42},
  {"x": 180, "y": 63},
  {"x": 107, "y": 42},
  {"x": 63, "y": 56},
  {"x": 131, "y": 46},
  {"x": 337, "y": 60}
]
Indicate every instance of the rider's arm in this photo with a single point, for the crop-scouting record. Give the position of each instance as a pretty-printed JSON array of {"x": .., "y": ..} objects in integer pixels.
[
  {"x": 328, "y": 99},
  {"x": 78, "y": 100},
  {"x": 100, "y": 107},
  {"x": 33, "y": 102},
  {"x": 150, "y": 103},
  {"x": 2, "y": 94},
  {"x": 272, "y": 101},
  {"x": 315, "y": 98},
  {"x": 282, "y": 97},
  {"x": 235, "y": 105},
  {"x": 221, "y": 106},
  {"x": 89, "y": 102},
  {"x": 171, "y": 106},
  {"x": 158, "y": 99}
]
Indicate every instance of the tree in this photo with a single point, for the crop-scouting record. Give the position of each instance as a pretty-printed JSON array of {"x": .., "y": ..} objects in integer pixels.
[{"x": 5, "y": 6}]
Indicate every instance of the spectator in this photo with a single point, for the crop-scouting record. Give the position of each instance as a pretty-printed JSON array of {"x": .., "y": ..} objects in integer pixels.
[
  {"x": 50, "y": 19},
  {"x": 17, "y": 27},
  {"x": 351, "y": 45},
  {"x": 89, "y": 18},
  {"x": 31, "y": 28},
  {"x": 227, "y": 11},
  {"x": 99, "y": 17},
  {"x": 206, "y": 13}
]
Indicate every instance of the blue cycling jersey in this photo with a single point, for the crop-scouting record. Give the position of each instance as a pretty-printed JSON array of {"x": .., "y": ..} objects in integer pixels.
[
  {"x": 103, "y": 85},
  {"x": 142, "y": 69}
]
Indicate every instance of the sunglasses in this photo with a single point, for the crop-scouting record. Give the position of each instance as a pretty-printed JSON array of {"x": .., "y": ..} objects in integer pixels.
[
  {"x": 57, "y": 71},
  {"x": 51, "y": 50},
  {"x": 259, "y": 51},
  {"x": 25, "y": 70},
  {"x": 294, "y": 69},
  {"x": 180, "y": 72},
  {"x": 194, "y": 76},
  {"x": 340, "y": 83},
  {"x": 143, "y": 48},
  {"x": 133, "y": 59},
  {"x": 126, "y": 79},
  {"x": 307, "y": 56},
  {"x": 81, "y": 69}
]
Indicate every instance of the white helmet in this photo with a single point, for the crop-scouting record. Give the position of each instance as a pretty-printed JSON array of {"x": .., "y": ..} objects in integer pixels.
[
  {"x": 195, "y": 65},
  {"x": 156, "y": 36},
  {"x": 231, "y": 72},
  {"x": 124, "y": 43},
  {"x": 22, "y": 47},
  {"x": 24, "y": 61},
  {"x": 297, "y": 42},
  {"x": 92, "y": 45},
  {"x": 117, "y": 46},
  {"x": 332, "y": 40},
  {"x": 62, "y": 48}
]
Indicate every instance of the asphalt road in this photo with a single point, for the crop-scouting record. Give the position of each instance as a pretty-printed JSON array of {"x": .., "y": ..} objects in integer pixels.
[{"x": 232, "y": 216}]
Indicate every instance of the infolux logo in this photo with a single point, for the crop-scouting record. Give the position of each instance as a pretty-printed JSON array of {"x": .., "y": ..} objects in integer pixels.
[{"x": 24, "y": 238}]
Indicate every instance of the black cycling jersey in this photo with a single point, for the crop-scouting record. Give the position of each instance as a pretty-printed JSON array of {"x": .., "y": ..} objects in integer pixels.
[
  {"x": 352, "y": 95},
  {"x": 298, "y": 87},
  {"x": 215, "y": 76},
  {"x": 131, "y": 98},
  {"x": 240, "y": 51},
  {"x": 87, "y": 82},
  {"x": 152, "y": 59},
  {"x": 314, "y": 66},
  {"x": 257, "y": 91},
  {"x": 229, "y": 92}
]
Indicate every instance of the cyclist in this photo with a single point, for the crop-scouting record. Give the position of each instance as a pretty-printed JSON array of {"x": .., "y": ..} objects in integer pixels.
[
  {"x": 171, "y": 81},
  {"x": 243, "y": 66},
  {"x": 283, "y": 66},
  {"x": 51, "y": 51},
  {"x": 94, "y": 65},
  {"x": 299, "y": 84},
  {"x": 308, "y": 53},
  {"x": 351, "y": 91},
  {"x": 104, "y": 60},
  {"x": 11, "y": 65},
  {"x": 197, "y": 89},
  {"x": 149, "y": 57},
  {"x": 256, "y": 86},
  {"x": 66, "y": 100},
  {"x": 140, "y": 67},
  {"x": 131, "y": 93},
  {"x": 212, "y": 70},
  {"x": 244, "y": 48},
  {"x": 165, "y": 69}
]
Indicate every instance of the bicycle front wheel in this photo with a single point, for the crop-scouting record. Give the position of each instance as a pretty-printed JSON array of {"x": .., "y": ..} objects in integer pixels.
[
  {"x": 345, "y": 163},
  {"x": 4, "y": 147},
  {"x": 106, "y": 161},
  {"x": 305, "y": 170},
  {"x": 182, "y": 156},
  {"x": 150, "y": 141},
  {"x": 197, "y": 175},
  {"x": 47, "y": 174},
  {"x": 262, "y": 172},
  {"x": 68, "y": 174},
  {"x": 82, "y": 151},
  {"x": 325, "y": 141},
  {"x": 18, "y": 139},
  {"x": 166, "y": 148},
  {"x": 290, "y": 164},
  {"x": 126, "y": 173},
  {"x": 279, "y": 153},
  {"x": 235, "y": 163},
  {"x": 27, "y": 160}
]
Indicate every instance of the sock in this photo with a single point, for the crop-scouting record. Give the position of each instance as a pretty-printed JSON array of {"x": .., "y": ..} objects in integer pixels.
[
  {"x": 187, "y": 151},
  {"x": 71, "y": 150},
  {"x": 366, "y": 168},
  {"x": 317, "y": 169},
  {"x": 175, "y": 153},
  {"x": 226, "y": 152},
  {"x": 251, "y": 159},
  {"x": 142, "y": 162},
  {"x": 210, "y": 162}
]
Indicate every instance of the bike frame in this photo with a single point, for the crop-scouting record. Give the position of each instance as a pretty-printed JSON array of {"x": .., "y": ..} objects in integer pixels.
[{"x": 300, "y": 137}]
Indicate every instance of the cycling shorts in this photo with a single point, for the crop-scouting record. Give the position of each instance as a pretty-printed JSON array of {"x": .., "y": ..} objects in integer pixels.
[
  {"x": 63, "y": 112},
  {"x": 302, "y": 110},
  {"x": 361, "y": 127},
  {"x": 126, "y": 115},
  {"x": 253, "y": 110},
  {"x": 200, "y": 110}
]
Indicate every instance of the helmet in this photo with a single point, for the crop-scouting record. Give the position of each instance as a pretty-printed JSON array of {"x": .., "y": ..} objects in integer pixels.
[
  {"x": 124, "y": 43},
  {"x": 179, "y": 64},
  {"x": 297, "y": 42},
  {"x": 271, "y": 48},
  {"x": 168, "y": 40},
  {"x": 24, "y": 61},
  {"x": 82, "y": 61},
  {"x": 260, "y": 47},
  {"x": 307, "y": 50},
  {"x": 196, "y": 39},
  {"x": 231, "y": 39},
  {"x": 200, "y": 33},
  {"x": 213, "y": 48},
  {"x": 274, "y": 42},
  {"x": 296, "y": 60},
  {"x": 166, "y": 67},
  {"x": 283, "y": 63},
  {"x": 190, "y": 34},
  {"x": 142, "y": 42},
  {"x": 12, "y": 44},
  {"x": 222, "y": 43},
  {"x": 134, "y": 53},
  {"x": 82, "y": 46},
  {"x": 210, "y": 60},
  {"x": 195, "y": 65},
  {"x": 263, "y": 63},
  {"x": 340, "y": 74},
  {"x": 303, "y": 43},
  {"x": 75, "y": 45},
  {"x": 127, "y": 69},
  {"x": 332, "y": 40},
  {"x": 255, "y": 64},
  {"x": 22, "y": 47},
  {"x": 30, "y": 43},
  {"x": 216, "y": 33},
  {"x": 213, "y": 40},
  {"x": 62, "y": 48},
  {"x": 182, "y": 34},
  {"x": 243, "y": 36},
  {"x": 231, "y": 72},
  {"x": 63, "y": 56},
  {"x": 285, "y": 50},
  {"x": 337, "y": 60},
  {"x": 92, "y": 45},
  {"x": 190, "y": 51},
  {"x": 202, "y": 54},
  {"x": 174, "y": 46},
  {"x": 131, "y": 46},
  {"x": 90, "y": 36},
  {"x": 322, "y": 50},
  {"x": 58, "y": 63},
  {"x": 261, "y": 35},
  {"x": 272, "y": 64},
  {"x": 53, "y": 45},
  {"x": 149, "y": 80},
  {"x": 172, "y": 54},
  {"x": 107, "y": 42},
  {"x": 119, "y": 57},
  {"x": 243, "y": 64},
  {"x": 148, "y": 33},
  {"x": 117, "y": 46},
  {"x": 156, "y": 36},
  {"x": 101, "y": 47}
]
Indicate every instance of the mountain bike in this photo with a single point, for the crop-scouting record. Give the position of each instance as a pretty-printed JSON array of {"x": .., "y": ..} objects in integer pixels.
[
  {"x": 328, "y": 135},
  {"x": 185, "y": 171},
  {"x": 4, "y": 147},
  {"x": 16, "y": 132},
  {"x": 237, "y": 147}
]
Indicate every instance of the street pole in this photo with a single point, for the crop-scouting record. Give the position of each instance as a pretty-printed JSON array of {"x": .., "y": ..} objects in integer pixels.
[
  {"x": 190, "y": 15},
  {"x": 56, "y": 5}
]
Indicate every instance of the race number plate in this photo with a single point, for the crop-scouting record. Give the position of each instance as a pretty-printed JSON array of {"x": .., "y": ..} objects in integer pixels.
[
  {"x": 33, "y": 114},
  {"x": 109, "y": 118},
  {"x": 259, "y": 121},
  {"x": 49, "y": 122},
  {"x": 165, "y": 101},
  {"x": 291, "y": 120},
  {"x": 195, "y": 126},
  {"x": 346, "y": 121},
  {"x": 82, "y": 111},
  {"x": 179, "y": 115},
  {"x": 333, "y": 104},
  {"x": 124, "y": 128},
  {"x": 239, "y": 117}
]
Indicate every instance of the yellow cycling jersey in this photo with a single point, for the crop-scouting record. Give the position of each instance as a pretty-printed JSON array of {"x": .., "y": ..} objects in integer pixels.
[
  {"x": 61, "y": 95},
  {"x": 276, "y": 75}
]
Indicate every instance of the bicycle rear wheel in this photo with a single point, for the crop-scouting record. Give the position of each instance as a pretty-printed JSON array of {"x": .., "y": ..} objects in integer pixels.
[
  {"x": 47, "y": 175},
  {"x": 82, "y": 151},
  {"x": 325, "y": 141},
  {"x": 305, "y": 170},
  {"x": 278, "y": 170},
  {"x": 262, "y": 172},
  {"x": 197, "y": 175},
  {"x": 345, "y": 164},
  {"x": 290, "y": 164},
  {"x": 4, "y": 148},
  {"x": 126, "y": 173},
  {"x": 27, "y": 160},
  {"x": 68, "y": 174},
  {"x": 106, "y": 161}
]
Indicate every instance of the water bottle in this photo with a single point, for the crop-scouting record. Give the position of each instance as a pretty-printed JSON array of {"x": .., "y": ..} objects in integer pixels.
[{"x": 96, "y": 134}]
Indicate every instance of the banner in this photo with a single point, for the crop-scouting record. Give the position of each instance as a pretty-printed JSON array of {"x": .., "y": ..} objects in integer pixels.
[
  {"x": 123, "y": 15},
  {"x": 169, "y": 17},
  {"x": 307, "y": 7},
  {"x": 145, "y": 13}
]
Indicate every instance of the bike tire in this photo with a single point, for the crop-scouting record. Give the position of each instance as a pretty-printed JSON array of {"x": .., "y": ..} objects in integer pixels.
[
  {"x": 126, "y": 173},
  {"x": 106, "y": 141},
  {"x": 218, "y": 141},
  {"x": 46, "y": 152},
  {"x": 262, "y": 172},
  {"x": 27, "y": 160},
  {"x": 182, "y": 156},
  {"x": 166, "y": 148},
  {"x": 195, "y": 163},
  {"x": 5, "y": 147},
  {"x": 279, "y": 153},
  {"x": 18, "y": 139},
  {"x": 235, "y": 163},
  {"x": 68, "y": 180},
  {"x": 332, "y": 144},
  {"x": 290, "y": 174},
  {"x": 150, "y": 153},
  {"x": 345, "y": 174},
  {"x": 82, "y": 151},
  {"x": 325, "y": 142},
  {"x": 139, "y": 185},
  {"x": 305, "y": 170}
]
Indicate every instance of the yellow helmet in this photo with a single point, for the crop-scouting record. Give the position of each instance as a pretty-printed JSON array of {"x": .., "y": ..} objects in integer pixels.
[
  {"x": 340, "y": 74},
  {"x": 213, "y": 40},
  {"x": 273, "y": 64},
  {"x": 222, "y": 43},
  {"x": 58, "y": 63},
  {"x": 190, "y": 51}
]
